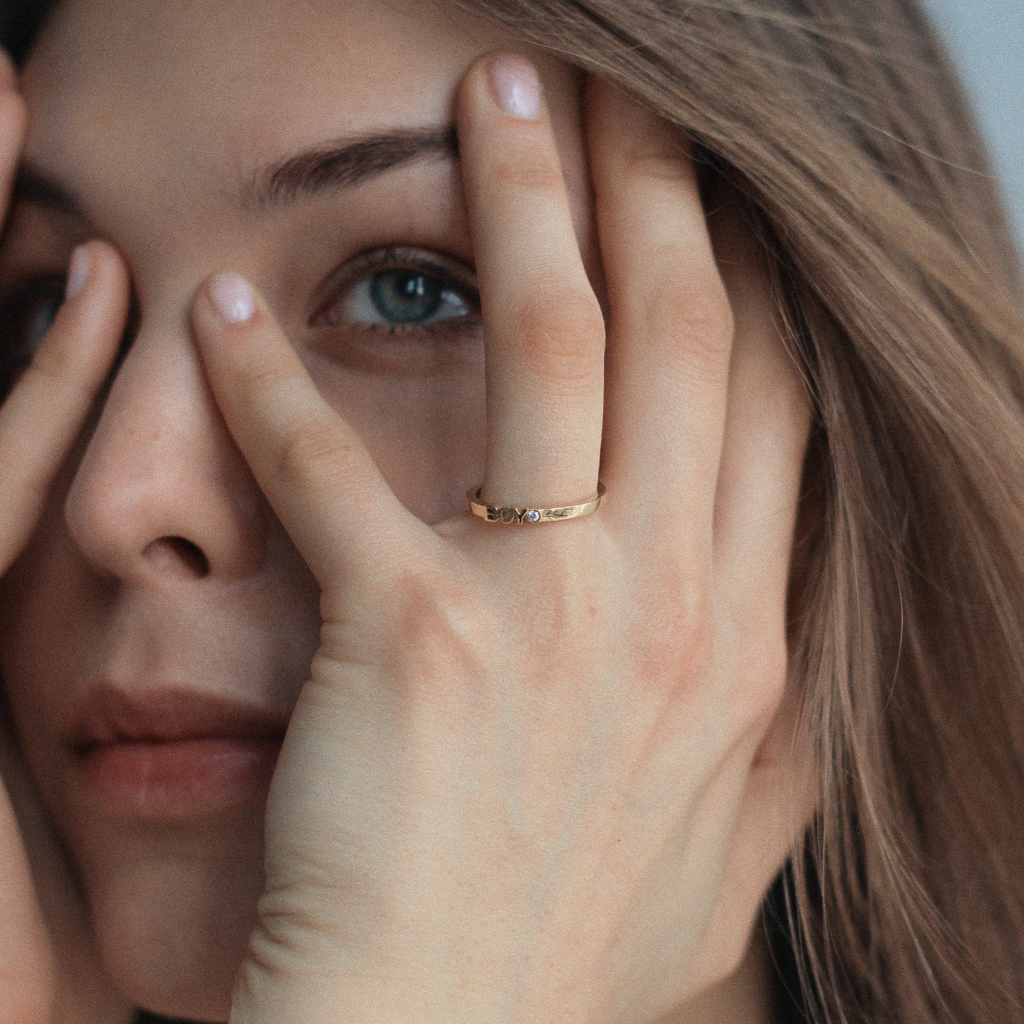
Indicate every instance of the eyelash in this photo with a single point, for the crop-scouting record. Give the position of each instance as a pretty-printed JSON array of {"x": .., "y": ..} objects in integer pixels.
[
  {"x": 445, "y": 282},
  {"x": 21, "y": 304}
]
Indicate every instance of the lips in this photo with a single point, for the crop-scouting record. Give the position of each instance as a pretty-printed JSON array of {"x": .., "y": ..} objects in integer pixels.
[{"x": 172, "y": 753}]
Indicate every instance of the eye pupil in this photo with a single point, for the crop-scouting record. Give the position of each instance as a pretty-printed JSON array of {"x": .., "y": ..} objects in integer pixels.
[{"x": 405, "y": 296}]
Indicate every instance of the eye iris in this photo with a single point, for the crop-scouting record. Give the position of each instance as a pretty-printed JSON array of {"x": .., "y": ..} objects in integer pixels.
[{"x": 405, "y": 296}]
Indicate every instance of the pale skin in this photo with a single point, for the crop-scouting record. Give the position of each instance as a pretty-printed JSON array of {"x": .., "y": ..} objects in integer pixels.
[{"x": 533, "y": 773}]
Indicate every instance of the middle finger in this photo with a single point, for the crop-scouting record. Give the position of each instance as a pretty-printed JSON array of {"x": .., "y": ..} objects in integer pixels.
[{"x": 542, "y": 323}]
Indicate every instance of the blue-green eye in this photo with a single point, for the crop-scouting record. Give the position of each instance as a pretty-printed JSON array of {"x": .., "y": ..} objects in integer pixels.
[
  {"x": 399, "y": 297},
  {"x": 409, "y": 297},
  {"x": 26, "y": 313}
]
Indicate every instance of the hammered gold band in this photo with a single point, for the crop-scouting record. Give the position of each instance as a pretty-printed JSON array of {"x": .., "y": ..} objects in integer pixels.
[{"x": 508, "y": 514}]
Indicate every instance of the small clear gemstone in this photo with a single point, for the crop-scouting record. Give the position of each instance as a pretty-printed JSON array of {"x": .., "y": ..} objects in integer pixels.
[{"x": 532, "y": 516}]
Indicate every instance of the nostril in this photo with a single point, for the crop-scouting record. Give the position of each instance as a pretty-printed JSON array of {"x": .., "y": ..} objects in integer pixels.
[{"x": 178, "y": 554}]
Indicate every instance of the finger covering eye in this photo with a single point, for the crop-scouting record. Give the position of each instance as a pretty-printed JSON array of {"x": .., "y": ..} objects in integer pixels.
[{"x": 26, "y": 314}]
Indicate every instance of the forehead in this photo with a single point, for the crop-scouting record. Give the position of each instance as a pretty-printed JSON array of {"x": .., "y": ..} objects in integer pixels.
[
  {"x": 209, "y": 56},
  {"x": 158, "y": 117},
  {"x": 143, "y": 97}
]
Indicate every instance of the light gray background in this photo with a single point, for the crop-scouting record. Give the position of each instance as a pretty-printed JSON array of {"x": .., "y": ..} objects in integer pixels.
[{"x": 986, "y": 37}]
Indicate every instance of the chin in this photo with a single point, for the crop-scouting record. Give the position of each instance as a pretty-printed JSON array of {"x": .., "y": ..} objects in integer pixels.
[{"x": 173, "y": 911}]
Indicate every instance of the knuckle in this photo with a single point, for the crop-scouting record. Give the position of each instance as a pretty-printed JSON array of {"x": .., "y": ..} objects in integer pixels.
[
  {"x": 529, "y": 172},
  {"x": 664, "y": 160},
  {"x": 312, "y": 452},
  {"x": 675, "y": 650},
  {"x": 696, "y": 316},
  {"x": 762, "y": 685},
  {"x": 560, "y": 338},
  {"x": 440, "y": 637},
  {"x": 263, "y": 377}
]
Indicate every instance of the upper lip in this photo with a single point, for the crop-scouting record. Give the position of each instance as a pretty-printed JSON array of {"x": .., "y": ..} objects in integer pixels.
[{"x": 107, "y": 714}]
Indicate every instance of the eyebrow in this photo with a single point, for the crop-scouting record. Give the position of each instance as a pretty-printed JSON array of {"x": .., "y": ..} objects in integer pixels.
[
  {"x": 326, "y": 168},
  {"x": 347, "y": 163}
]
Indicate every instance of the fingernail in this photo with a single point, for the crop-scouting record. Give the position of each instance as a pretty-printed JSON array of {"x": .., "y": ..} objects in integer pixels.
[
  {"x": 78, "y": 272},
  {"x": 516, "y": 87},
  {"x": 233, "y": 298}
]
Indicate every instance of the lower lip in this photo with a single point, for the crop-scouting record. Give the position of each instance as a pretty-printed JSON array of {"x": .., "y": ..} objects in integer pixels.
[{"x": 179, "y": 778}]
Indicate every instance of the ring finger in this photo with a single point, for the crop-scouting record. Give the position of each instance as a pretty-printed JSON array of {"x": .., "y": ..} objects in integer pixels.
[{"x": 671, "y": 324}]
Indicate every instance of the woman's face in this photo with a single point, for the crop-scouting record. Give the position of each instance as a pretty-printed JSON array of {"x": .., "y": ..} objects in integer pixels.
[{"x": 157, "y": 630}]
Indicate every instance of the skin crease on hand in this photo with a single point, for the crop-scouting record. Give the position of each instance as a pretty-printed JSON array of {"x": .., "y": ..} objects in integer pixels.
[{"x": 159, "y": 563}]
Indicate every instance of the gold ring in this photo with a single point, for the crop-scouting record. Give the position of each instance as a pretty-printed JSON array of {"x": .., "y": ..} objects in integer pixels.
[{"x": 508, "y": 514}]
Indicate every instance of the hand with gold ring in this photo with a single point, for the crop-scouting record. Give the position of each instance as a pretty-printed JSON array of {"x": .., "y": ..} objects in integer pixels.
[
  {"x": 542, "y": 774},
  {"x": 507, "y": 514}
]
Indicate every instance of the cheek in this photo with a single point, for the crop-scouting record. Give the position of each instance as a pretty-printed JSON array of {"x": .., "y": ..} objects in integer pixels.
[
  {"x": 195, "y": 894},
  {"x": 44, "y": 627},
  {"x": 192, "y": 889},
  {"x": 49, "y": 636},
  {"x": 423, "y": 424}
]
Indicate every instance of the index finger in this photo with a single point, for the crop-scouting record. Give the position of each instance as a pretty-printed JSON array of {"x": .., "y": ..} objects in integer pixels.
[
  {"x": 310, "y": 463},
  {"x": 46, "y": 409}
]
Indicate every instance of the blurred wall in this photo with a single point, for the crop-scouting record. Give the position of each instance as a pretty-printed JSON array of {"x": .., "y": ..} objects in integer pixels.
[{"x": 987, "y": 39}]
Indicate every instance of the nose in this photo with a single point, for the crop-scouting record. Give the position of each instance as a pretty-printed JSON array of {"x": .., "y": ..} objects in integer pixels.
[{"x": 162, "y": 493}]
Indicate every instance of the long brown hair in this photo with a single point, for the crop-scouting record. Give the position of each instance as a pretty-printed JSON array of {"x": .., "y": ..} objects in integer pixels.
[{"x": 843, "y": 124}]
